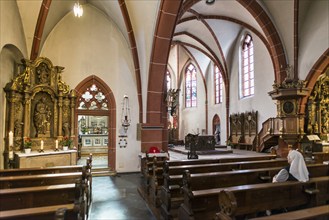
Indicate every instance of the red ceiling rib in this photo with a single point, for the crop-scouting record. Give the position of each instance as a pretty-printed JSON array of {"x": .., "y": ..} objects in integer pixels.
[
  {"x": 39, "y": 28},
  {"x": 134, "y": 51}
]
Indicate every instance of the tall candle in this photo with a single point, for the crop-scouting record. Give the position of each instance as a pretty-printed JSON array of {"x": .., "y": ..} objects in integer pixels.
[
  {"x": 11, "y": 138},
  {"x": 11, "y": 155},
  {"x": 41, "y": 145},
  {"x": 56, "y": 144}
]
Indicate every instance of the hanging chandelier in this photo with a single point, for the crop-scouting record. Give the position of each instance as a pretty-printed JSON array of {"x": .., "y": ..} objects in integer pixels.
[{"x": 78, "y": 10}]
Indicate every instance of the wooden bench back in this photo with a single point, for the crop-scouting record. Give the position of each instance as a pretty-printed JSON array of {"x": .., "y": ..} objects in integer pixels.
[
  {"x": 202, "y": 168},
  {"x": 201, "y": 181},
  {"x": 72, "y": 212},
  {"x": 41, "y": 170},
  {"x": 307, "y": 213},
  {"x": 29, "y": 197},
  {"x": 250, "y": 199}
]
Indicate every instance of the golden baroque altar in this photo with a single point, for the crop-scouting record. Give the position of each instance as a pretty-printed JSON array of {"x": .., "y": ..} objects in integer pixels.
[{"x": 40, "y": 106}]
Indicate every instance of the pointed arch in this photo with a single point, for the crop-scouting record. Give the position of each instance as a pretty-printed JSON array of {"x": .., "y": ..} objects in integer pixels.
[
  {"x": 216, "y": 128},
  {"x": 320, "y": 66},
  {"x": 110, "y": 112}
]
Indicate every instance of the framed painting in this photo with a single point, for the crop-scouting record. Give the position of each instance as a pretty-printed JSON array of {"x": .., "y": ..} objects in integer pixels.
[
  {"x": 87, "y": 142},
  {"x": 97, "y": 142}
]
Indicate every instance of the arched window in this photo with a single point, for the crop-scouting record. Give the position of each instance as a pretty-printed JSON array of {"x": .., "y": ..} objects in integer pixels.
[
  {"x": 218, "y": 86},
  {"x": 247, "y": 86},
  {"x": 190, "y": 86},
  {"x": 168, "y": 80}
]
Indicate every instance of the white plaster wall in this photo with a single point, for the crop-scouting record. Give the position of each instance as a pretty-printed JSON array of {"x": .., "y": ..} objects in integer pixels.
[
  {"x": 264, "y": 79},
  {"x": 282, "y": 16},
  {"x": 92, "y": 45},
  {"x": 313, "y": 36},
  {"x": 11, "y": 28}
]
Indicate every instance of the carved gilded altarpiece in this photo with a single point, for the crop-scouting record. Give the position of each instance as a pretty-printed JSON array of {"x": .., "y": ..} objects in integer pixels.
[
  {"x": 40, "y": 105},
  {"x": 318, "y": 107}
]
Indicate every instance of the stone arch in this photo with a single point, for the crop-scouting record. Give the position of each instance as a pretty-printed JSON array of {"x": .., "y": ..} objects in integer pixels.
[
  {"x": 111, "y": 112},
  {"x": 10, "y": 57},
  {"x": 320, "y": 66}
]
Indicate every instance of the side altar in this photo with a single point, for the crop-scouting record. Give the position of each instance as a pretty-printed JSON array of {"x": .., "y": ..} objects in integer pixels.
[
  {"x": 48, "y": 158},
  {"x": 40, "y": 108}
]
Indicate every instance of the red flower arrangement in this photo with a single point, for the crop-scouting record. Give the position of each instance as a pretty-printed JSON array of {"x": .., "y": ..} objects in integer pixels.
[
  {"x": 27, "y": 143},
  {"x": 66, "y": 141}
]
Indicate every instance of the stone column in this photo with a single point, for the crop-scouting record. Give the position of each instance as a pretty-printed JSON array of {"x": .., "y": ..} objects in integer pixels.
[
  {"x": 60, "y": 114},
  {"x": 26, "y": 115},
  {"x": 72, "y": 105}
]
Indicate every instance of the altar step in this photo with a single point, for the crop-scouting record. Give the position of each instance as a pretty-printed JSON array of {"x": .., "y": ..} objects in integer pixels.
[
  {"x": 96, "y": 151},
  {"x": 99, "y": 171}
]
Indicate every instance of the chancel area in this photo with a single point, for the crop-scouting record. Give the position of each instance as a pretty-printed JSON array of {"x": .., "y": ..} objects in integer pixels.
[{"x": 187, "y": 108}]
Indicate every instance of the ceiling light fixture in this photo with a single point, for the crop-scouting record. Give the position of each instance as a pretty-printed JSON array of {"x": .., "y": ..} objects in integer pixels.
[
  {"x": 78, "y": 10},
  {"x": 210, "y": 2}
]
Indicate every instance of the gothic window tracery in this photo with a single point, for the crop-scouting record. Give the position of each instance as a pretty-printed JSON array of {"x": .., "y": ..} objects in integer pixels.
[{"x": 93, "y": 99}]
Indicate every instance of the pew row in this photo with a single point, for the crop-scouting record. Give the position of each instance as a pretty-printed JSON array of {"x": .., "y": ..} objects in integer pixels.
[
  {"x": 46, "y": 170},
  {"x": 23, "y": 200},
  {"x": 171, "y": 196},
  {"x": 69, "y": 211},
  {"x": 157, "y": 163},
  {"x": 318, "y": 212},
  {"x": 247, "y": 200},
  {"x": 162, "y": 176}
]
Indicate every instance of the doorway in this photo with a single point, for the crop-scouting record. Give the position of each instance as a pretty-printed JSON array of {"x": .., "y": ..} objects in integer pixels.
[
  {"x": 93, "y": 138},
  {"x": 95, "y": 122},
  {"x": 216, "y": 128}
]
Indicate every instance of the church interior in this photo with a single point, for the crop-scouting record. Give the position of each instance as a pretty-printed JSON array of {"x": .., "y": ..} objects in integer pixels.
[{"x": 189, "y": 107}]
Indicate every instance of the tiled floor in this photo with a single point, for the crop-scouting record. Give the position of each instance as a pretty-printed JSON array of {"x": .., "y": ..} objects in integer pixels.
[{"x": 117, "y": 198}]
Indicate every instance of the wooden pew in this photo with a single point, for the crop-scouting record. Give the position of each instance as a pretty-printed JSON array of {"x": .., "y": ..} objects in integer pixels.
[
  {"x": 72, "y": 212},
  {"x": 227, "y": 202},
  {"x": 161, "y": 175},
  {"x": 171, "y": 196},
  {"x": 157, "y": 166},
  {"x": 318, "y": 212},
  {"x": 40, "y": 202},
  {"x": 40, "y": 179},
  {"x": 38, "y": 196},
  {"x": 41, "y": 170},
  {"x": 56, "y": 175}
]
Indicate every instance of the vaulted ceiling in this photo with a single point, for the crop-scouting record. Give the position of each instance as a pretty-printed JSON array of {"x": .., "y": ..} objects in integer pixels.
[{"x": 207, "y": 29}]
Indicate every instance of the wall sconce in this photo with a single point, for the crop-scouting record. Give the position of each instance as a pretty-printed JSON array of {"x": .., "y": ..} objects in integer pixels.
[
  {"x": 125, "y": 117},
  {"x": 172, "y": 100}
]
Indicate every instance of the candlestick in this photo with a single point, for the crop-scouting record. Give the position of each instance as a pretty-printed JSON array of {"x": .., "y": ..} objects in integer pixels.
[
  {"x": 11, "y": 138},
  {"x": 41, "y": 147},
  {"x": 56, "y": 144}
]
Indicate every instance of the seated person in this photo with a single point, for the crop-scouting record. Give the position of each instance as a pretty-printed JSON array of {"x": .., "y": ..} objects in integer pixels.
[{"x": 296, "y": 170}]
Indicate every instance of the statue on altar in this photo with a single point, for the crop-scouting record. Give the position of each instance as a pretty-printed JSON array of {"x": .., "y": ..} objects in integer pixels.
[
  {"x": 43, "y": 74},
  {"x": 42, "y": 116}
]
